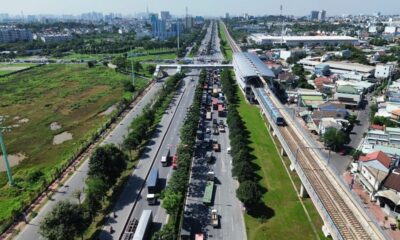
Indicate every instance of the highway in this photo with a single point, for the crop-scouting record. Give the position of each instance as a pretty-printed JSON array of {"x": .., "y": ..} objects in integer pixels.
[
  {"x": 77, "y": 180},
  {"x": 196, "y": 214},
  {"x": 343, "y": 215},
  {"x": 133, "y": 198}
]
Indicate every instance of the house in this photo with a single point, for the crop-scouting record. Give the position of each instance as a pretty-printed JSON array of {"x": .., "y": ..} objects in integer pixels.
[
  {"x": 286, "y": 77},
  {"x": 327, "y": 123},
  {"x": 387, "y": 137},
  {"x": 373, "y": 169},
  {"x": 395, "y": 114},
  {"x": 322, "y": 70},
  {"x": 275, "y": 67},
  {"x": 389, "y": 197},
  {"x": 348, "y": 95},
  {"x": 383, "y": 71},
  {"x": 321, "y": 81}
]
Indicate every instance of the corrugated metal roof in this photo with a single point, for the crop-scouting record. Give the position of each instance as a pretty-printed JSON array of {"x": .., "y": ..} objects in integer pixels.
[{"x": 249, "y": 65}]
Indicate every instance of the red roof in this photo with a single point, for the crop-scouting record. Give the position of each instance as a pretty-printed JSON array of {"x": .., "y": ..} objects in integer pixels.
[
  {"x": 379, "y": 156},
  {"x": 376, "y": 127},
  {"x": 322, "y": 80},
  {"x": 396, "y": 112},
  {"x": 220, "y": 107}
]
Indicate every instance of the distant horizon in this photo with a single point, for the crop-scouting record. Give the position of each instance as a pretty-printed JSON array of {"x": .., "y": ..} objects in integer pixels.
[{"x": 201, "y": 8}]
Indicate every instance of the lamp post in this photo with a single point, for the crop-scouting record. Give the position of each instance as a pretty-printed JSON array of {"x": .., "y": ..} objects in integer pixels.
[{"x": 5, "y": 159}]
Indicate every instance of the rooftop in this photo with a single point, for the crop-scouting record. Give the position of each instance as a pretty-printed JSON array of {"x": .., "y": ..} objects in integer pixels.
[
  {"x": 249, "y": 65},
  {"x": 393, "y": 180},
  {"x": 378, "y": 156}
]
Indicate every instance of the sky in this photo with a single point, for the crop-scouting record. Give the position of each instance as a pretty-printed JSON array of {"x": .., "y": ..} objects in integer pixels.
[{"x": 201, "y": 7}]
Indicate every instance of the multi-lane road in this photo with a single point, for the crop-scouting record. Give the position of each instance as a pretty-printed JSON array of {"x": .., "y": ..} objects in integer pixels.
[
  {"x": 229, "y": 208},
  {"x": 133, "y": 200},
  {"x": 77, "y": 180}
]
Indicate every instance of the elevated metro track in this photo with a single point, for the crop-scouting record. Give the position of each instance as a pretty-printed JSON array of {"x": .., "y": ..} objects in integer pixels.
[{"x": 344, "y": 217}]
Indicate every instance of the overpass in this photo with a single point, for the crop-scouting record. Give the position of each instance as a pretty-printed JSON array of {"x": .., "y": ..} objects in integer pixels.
[
  {"x": 179, "y": 67},
  {"x": 342, "y": 212}
]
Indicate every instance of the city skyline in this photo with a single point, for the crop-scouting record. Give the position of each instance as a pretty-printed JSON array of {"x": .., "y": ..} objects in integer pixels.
[{"x": 177, "y": 7}]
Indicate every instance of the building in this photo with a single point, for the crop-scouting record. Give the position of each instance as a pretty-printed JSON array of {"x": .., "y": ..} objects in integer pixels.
[
  {"x": 248, "y": 67},
  {"x": 165, "y": 15},
  {"x": 55, "y": 38},
  {"x": 10, "y": 35},
  {"x": 227, "y": 16},
  {"x": 293, "y": 41},
  {"x": 314, "y": 15},
  {"x": 329, "y": 123},
  {"x": 322, "y": 15},
  {"x": 389, "y": 197},
  {"x": 383, "y": 71},
  {"x": 341, "y": 67},
  {"x": 348, "y": 95},
  {"x": 373, "y": 169},
  {"x": 388, "y": 137}
]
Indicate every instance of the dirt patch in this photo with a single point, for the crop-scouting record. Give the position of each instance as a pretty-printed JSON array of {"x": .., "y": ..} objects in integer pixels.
[
  {"x": 12, "y": 68},
  {"x": 13, "y": 159},
  {"x": 62, "y": 137},
  {"x": 55, "y": 126},
  {"x": 108, "y": 111}
]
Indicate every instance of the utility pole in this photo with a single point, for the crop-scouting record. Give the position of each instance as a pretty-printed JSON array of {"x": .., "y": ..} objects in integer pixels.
[
  {"x": 282, "y": 24},
  {"x": 133, "y": 73},
  {"x": 5, "y": 159},
  {"x": 178, "y": 32}
]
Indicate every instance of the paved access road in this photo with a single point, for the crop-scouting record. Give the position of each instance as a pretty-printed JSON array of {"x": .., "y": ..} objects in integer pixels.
[
  {"x": 197, "y": 215},
  {"x": 167, "y": 135},
  {"x": 77, "y": 180}
]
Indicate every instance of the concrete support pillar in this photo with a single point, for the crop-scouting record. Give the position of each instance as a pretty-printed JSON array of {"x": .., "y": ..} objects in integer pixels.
[{"x": 303, "y": 192}]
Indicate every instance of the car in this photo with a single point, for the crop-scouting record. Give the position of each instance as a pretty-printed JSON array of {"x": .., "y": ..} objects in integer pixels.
[
  {"x": 208, "y": 130},
  {"x": 175, "y": 162},
  {"x": 343, "y": 152}
]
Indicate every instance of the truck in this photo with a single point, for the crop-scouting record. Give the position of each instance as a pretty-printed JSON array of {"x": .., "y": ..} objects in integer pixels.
[
  {"x": 165, "y": 157},
  {"x": 221, "y": 128},
  {"x": 209, "y": 116},
  {"x": 210, "y": 176},
  {"x": 214, "y": 218},
  {"x": 216, "y": 146},
  {"x": 152, "y": 186},
  {"x": 208, "y": 193}
]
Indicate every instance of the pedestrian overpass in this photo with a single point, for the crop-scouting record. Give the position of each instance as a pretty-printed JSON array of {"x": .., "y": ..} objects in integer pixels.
[{"x": 179, "y": 67}]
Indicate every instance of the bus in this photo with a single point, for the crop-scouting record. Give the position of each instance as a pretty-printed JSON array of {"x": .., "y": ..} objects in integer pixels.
[
  {"x": 143, "y": 227},
  {"x": 208, "y": 193}
]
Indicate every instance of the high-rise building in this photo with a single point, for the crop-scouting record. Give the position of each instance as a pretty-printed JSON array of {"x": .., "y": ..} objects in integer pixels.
[
  {"x": 314, "y": 15},
  {"x": 322, "y": 15},
  {"x": 165, "y": 15},
  {"x": 15, "y": 35},
  {"x": 227, "y": 15}
]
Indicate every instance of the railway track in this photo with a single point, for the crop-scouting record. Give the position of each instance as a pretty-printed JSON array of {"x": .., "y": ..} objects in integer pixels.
[{"x": 346, "y": 221}]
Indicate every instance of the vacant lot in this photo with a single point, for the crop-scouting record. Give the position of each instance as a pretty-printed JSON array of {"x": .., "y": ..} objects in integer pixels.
[
  {"x": 71, "y": 98},
  {"x": 283, "y": 216}
]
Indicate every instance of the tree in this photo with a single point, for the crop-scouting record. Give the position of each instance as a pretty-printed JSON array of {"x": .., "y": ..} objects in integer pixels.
[
  {"x": 249, "y": 193},
  {"x": 150, "y": 69},
  {"x": 167, "y": 232},
  {"x": 335, "y": 138},
  {"x": 107, "y": 163},
  {"x": 243, "y": 171},
  {"x": 171, "y": 202},
  {"x": 120, "y": 62},
  {"x": 298, "y": 70},
  {"x": 90, "y": 64},
  {"x": 64, "y": 222},
  {"x": 96, "y": 189},
  {"x": 137, "y": 66}
]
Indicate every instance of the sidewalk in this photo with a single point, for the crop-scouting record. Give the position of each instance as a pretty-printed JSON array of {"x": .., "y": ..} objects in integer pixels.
[{"x": 372, "y": 207}]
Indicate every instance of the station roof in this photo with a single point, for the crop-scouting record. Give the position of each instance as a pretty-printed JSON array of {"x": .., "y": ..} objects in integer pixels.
[{"x": 249, "y": 65}]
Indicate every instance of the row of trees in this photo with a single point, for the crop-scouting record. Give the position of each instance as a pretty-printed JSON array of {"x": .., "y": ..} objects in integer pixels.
[
  {"x": 141, "y": 126},
  {"x": 298, "y": 70},
  {"x": 69, "y": 220},
  {"x": 249, "y": 191},
  {"x": 173, "y": 195}
]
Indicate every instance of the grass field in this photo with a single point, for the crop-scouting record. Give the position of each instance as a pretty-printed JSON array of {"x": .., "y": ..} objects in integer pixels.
[
  {"x": 283, "y": 216},
  {"x": 228, "y": 50},
  {"x": 72, "y": 95},
  {"x": 6, "y": 68},
  {"x": 155, "y": 57}
]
